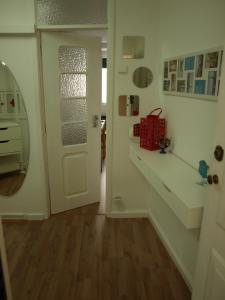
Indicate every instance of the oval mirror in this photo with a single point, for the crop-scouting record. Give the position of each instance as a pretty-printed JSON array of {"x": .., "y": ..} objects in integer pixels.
[
  {"x": 142, "y": 77},
  {"x": 14, "y": 134}
]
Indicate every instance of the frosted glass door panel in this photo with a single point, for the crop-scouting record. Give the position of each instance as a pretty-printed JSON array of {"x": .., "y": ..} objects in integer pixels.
[
  {"x": 72, "y": 60},
  {"x": 74, "y": 134},
  {"x": 73, "y": 110},
  {"x": 73, "y": 85},
  {"x": 62, "y": 12},
  {"x": 73, "y": 77}
]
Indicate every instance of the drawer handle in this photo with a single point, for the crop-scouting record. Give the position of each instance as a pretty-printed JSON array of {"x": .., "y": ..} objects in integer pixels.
[
  {"x": 166, "y": 187},
  {"x": 2, "y": 142},
  {"x": 4, "y": 128},
  {"x": 139, "y": 157}
]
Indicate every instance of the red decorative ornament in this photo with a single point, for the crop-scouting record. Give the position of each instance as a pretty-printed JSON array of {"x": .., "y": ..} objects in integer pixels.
[{"x": 152, "y": 129}]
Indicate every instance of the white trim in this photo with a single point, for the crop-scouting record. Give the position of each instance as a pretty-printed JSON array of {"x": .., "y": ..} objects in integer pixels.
[
  {"x": 20, "y": 29},
  {"x": 110, "y": 98},
  {"x": 128, "y": 214},
  {"x": 71, "y": 27},
  {"x": 35, "y": 217},
  {"x": 205, "y": 97},
  {"x": 192, "y": 96},
  {"x": 42, "y": 107},
  {"x": 188, "y": 278},
  {"x": 218, "y": 48},
  {"x": 21, "y": 216}
]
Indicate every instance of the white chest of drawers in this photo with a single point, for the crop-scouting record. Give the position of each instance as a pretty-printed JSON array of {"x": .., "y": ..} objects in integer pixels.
[{"x": 10, "y": 146}]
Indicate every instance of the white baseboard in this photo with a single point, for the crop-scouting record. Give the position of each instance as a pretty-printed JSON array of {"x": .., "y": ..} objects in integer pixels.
[
  {"x": 128, "y": 214},
  {"x": 169, "y": 247},
  {"x": 37, "y": 217},
  {"x": 20, "y": 216}
]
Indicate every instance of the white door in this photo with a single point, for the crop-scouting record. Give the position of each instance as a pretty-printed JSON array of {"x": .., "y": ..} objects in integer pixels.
[
  {"x": 72, "y": 92},
  {"x": 209, "y": 283}
]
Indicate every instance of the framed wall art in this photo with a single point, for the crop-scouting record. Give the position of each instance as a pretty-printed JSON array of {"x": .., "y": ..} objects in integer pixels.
[{"x": 194, "y": 75}]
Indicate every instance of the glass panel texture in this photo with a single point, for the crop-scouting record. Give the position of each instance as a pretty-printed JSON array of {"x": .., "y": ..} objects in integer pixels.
[
  {"x": 73, "y": 85},
  {"x": 72, "y": 60},
  {"x": 74, "y": 134},
  {"x": 73, "y": 110},
  {"x": 62, "y": 12}
]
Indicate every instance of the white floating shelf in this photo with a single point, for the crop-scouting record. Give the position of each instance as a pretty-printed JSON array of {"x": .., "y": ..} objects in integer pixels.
[{"x": 175, "y": 181}]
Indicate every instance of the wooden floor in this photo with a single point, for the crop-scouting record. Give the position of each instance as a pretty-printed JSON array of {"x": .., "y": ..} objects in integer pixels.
[
  {"x": 80, "y": 255},
  {"x": 10, "y": 183}
]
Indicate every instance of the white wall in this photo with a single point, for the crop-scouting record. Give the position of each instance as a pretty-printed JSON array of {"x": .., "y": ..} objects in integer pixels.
[
  {"x": 20, "y": 54},
  {"x": 16, "y": 16},
  {"x": 132, "y": 19},
  {"x": 171, "y": 28},
  {"x": 31, "y": 199},
  {"x": 185, "y": 27},
  {"x": 5, "y": 79},
  {"x": 181, "y": 242}
]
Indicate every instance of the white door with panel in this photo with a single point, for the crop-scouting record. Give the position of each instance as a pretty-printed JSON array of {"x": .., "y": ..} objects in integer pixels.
[
  {"x": 72, "y": 91},
  {"x": 209, "y": 283}
]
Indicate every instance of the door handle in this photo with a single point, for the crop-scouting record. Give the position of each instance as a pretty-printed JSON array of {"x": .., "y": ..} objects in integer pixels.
[
  {"x": 219, "y": 153},
  {"x": 95, "y": 121}
]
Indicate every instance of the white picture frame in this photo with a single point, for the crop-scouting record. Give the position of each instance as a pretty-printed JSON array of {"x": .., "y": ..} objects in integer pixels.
[{"x": 195, "y": 75}]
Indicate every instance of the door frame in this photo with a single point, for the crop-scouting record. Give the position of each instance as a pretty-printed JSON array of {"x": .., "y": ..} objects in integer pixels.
[{"x": 110, "y": 89}]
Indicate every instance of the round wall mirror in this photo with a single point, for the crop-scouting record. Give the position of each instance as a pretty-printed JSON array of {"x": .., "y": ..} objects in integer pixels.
[
  {"x": 142, "y": 77},
  {"x": 14, "y": 134}
]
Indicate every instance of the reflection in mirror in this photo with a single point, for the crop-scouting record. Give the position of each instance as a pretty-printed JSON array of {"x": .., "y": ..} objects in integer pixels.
[
  {"x": 128, "y": 105},
  {"x": 14, "y": 134},
  {"x": 142, "y": 77},
  {"x": 133, "y": 47}
]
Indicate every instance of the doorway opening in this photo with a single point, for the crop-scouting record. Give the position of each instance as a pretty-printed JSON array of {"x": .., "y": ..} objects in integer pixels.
[
  {"x": 100, "y": 207},
  {"x": 103, "y": 127}
]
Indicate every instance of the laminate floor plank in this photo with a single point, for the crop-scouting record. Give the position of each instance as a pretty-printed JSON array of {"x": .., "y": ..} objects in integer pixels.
[{"x": 86, "y": 256}]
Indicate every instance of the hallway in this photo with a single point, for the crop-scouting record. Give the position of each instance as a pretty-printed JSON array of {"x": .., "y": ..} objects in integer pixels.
[{"x": 82, "y": 255}]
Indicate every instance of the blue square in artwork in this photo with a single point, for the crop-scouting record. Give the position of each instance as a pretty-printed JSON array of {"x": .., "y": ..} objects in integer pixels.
[
  {"x": 189, "y": 63},
  {"x": 199, "y": 86}
]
